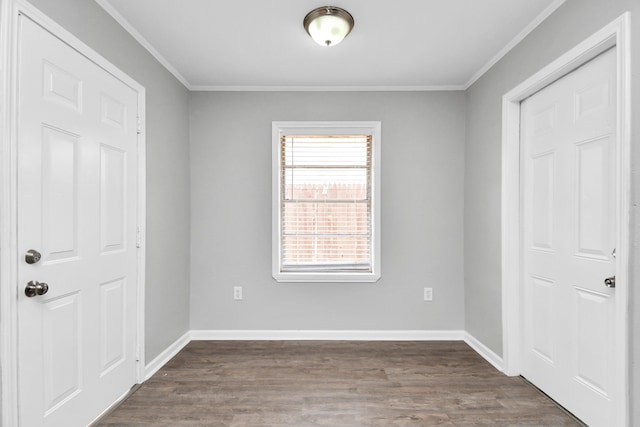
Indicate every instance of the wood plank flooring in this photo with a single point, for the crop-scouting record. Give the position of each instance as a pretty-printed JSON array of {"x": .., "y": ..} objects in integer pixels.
[{"x": 334, "y": 383}]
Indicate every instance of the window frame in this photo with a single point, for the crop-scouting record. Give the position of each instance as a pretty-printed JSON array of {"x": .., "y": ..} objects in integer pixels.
[{"x": 328, "y": 128}]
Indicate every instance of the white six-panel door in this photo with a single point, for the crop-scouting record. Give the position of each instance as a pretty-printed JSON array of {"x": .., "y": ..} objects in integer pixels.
[
  {"x": 77, "y": 206},
  {"x": 568, "y": 162}
]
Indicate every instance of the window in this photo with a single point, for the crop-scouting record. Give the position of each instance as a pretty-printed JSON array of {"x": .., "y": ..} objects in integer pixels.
[{"x": 326, "y": 201}]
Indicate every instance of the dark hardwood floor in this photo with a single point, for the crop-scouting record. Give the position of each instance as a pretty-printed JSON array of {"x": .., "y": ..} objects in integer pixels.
[{"x": 334, "y": 383}]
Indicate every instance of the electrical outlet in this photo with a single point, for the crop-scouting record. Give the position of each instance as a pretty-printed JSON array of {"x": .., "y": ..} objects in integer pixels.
[
  {"x": 237, "y": 292},
  {"x": 428, "y": 294}
]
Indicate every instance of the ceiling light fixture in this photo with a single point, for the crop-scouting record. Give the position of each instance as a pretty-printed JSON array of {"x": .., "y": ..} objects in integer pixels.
[{"x": 328, "y": 25}]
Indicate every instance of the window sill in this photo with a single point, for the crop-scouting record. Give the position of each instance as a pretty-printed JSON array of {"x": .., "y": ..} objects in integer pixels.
[{"x": 326, "y": 277}]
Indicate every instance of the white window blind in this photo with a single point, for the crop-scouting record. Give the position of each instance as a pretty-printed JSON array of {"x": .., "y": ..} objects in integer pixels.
[{"x": 326, "y": 203}]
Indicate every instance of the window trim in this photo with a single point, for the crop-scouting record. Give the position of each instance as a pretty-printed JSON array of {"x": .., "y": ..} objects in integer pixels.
[{"x": 279, "y": 129}]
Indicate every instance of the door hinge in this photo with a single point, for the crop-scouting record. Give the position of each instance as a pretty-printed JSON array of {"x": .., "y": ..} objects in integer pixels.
[
  {"x": 138, "y": 125},
  {"x": 138, "y": 237},
  {"x": 137, "y": 353}
]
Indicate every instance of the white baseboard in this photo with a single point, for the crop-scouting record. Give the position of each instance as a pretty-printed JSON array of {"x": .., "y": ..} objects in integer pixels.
[
  {"x": 161, "y": 360},
  {"x": 484, "y": 351},
  {"x": 288, "y": 335}
]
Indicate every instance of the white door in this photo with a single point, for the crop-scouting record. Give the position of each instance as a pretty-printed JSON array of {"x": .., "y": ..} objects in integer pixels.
[
  {"x": 568, "y": 160},
  {"x": 77, "y": 205}
]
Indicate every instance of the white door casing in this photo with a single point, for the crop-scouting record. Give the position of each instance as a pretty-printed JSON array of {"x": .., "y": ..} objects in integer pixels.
[
  {"x": 74, "y": 191},
  {"x": 615, "y": 34},
  {"x": 568, "y": 187}
]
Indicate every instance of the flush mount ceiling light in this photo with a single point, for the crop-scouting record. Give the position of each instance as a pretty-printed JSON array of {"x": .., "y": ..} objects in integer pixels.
[{"x": 328, "y": 25}]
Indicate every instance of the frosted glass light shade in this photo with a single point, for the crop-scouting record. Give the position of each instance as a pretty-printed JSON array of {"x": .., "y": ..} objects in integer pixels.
[{"x": 328, "y": 25}]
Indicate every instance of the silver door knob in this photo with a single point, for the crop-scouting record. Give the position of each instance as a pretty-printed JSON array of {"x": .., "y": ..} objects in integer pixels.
[
  {"x": 32, "y": 256},
  {"x": 35, "y": 288},
  {"x": 610, "y": 282}
]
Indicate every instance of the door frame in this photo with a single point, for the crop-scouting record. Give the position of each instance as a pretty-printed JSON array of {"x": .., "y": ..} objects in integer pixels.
[
  {"x": 616, "y": 34},
  {"x": 10, "y": 10}
]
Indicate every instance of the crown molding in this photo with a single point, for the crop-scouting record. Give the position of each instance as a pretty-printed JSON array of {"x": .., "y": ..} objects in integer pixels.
[
  {"x": 140, "y": 39},
  {"x": 514, "y": 42}
]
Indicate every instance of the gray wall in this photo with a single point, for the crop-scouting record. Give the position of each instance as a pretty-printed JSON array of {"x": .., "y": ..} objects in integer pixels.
[
  {"x": 422, "y": 213},
  {"x": 167, "y": 268},
  {"x": 569, "y": 25}
]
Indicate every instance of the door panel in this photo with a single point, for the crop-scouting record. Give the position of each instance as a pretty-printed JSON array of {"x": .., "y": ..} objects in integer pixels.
[
  {"x": 542, "y": 295},
  {"x": 113, "y": 112},
  {"x": 593, "y": 198},
  {"x": 62, "y": 355},
  {"x": 113, "y": 198},
  {"x": 112, "y": 324},
  {"x": 61, "y": 87},
  {"x": 542, "y": 221},
  {"x": 593, "y": 327},
  {"x": 77, "y": 205},
  {"x": 568, "y": 187},
  {"x": 59, "y": 194}
]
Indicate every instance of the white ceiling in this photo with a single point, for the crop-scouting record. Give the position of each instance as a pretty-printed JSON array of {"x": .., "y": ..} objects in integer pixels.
[{"x": 261, "y": 44}]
